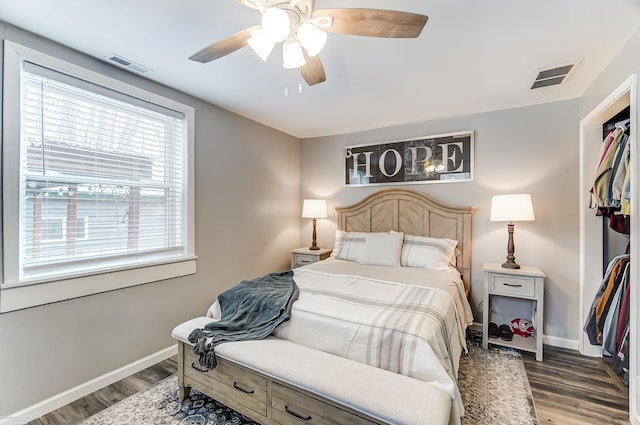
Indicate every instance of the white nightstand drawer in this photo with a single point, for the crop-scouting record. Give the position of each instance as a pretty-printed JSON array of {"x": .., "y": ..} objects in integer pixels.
[
  {"x": 303, "y": 260},
  {"x": 512, "y": 285},
  {"x": 303, "y": 256}
]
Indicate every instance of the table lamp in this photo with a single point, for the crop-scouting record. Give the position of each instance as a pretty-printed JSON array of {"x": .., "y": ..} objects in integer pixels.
[
  {"x": 516, "y": 207},
  {"x": 314, "y": 208}
]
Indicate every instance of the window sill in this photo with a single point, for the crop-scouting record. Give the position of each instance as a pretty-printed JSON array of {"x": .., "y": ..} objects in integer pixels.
[{"x": 19, "y": 297}]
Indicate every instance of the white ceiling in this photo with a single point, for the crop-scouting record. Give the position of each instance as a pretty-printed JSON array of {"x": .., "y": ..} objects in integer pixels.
[{"x": 472, "y": 56}]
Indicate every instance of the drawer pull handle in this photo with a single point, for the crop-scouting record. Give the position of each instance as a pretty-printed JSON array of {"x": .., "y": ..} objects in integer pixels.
[
  {"x": 235, "y": 385},
  {"x": 286, "y": 408},
  {"x": 513, "y": 285},
  {"x": 304, "y": 261},
  {"x": 193, "y": 365}
]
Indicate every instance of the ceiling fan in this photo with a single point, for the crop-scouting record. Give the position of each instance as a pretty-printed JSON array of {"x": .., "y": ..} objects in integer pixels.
[{"x": 303, "y": 32}]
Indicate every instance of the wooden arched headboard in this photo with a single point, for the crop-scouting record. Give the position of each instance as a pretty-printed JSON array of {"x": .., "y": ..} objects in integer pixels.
[{"x": 413, "y": 213}]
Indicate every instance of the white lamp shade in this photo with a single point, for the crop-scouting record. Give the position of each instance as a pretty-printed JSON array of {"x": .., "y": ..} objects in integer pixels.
[
  {"x": 312, "y": 38},
  {"x": 292, "y": 55},
  {"x": 516, "y": 207},
  {"x": 261, "y": 44},
  {"x": 276, "y": 24},
  {"x": 314, "y": 208}
]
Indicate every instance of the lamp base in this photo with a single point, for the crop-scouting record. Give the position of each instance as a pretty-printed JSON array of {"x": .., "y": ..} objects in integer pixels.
[
  {"x": 510, "y": 265},
  {"x": 511, "y": 259},
  {"x": 314, "y": 245}
]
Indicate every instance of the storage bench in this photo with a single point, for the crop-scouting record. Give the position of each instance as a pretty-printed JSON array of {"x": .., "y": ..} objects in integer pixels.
[{"x": 275, "y": 381}]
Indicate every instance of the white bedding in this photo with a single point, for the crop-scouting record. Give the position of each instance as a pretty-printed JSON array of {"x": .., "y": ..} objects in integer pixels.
[{"x": 406, "y": 320}]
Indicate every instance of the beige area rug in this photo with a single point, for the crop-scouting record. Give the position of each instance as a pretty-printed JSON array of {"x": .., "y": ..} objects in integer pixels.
[
  {"x": 493, "y": 383},
  {"x": 495, "y": 388}
]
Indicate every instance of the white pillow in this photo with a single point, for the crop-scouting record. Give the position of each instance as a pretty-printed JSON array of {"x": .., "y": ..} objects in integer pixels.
[
  {"x": 426, "y": 252},
  {"x": 382, "y": 249},
  {"x": 349, "y": 246}
]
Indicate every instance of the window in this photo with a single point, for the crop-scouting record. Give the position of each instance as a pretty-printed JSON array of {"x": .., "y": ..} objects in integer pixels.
[
  {"x": 53, "y": 229},
  {"x": 101, "y": 181}
]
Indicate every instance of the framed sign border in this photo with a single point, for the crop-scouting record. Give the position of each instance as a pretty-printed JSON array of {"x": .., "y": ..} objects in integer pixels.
[{"x": 472, "y": 159}]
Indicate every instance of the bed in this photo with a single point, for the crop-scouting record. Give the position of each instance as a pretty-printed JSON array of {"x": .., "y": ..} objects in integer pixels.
[{"x": 387, "y": 311}]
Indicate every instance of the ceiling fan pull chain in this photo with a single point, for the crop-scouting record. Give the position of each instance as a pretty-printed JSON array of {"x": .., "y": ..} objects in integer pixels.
[{"x": 286, "y": 85}]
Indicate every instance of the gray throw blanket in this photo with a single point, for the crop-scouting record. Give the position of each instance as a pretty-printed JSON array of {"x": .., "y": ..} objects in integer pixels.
[{"x": 250, "y": 310}]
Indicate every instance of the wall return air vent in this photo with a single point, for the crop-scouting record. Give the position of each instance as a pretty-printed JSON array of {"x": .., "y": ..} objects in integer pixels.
[
  {"x": 127, "y": 64},
  {"x": 552, "y": 76}
]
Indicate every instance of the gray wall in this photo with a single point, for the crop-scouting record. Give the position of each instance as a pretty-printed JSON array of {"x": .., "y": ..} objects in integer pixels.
[
  {"x": 532, "y": 150},
  {"x": 621, "y": 67},
  {"x": 247, "y": 220}
]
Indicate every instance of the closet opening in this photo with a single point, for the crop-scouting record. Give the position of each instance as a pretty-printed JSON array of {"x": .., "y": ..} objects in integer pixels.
[
  {"x": 608, "y": 232},
  {"x": 608, "y": 321}
]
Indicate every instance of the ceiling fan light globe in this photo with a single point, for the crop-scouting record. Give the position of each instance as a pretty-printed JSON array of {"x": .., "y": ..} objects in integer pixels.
[
  {"x": 276, "y": 24},
  {"x": 312, "y": 38},
  {"x": 292, "y": 55},
  {"x": 261, "y": 44}
]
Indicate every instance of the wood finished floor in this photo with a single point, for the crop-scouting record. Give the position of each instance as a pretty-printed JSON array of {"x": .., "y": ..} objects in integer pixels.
[
  {"x": 81, "y": 409},
  {"x": 568, "y": 389}
]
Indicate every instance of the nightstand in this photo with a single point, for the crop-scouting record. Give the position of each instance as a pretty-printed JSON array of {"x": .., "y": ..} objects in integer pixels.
[
  {"x": 525, "y": 283},
  {"x": 304, "y": 256}
]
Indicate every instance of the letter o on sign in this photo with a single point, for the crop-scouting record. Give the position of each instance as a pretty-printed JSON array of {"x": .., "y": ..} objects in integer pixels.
[{"x": 398, "y": 162}]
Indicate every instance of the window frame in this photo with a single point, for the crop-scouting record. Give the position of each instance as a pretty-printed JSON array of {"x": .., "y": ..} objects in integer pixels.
[{"x": 16, "y": 294}]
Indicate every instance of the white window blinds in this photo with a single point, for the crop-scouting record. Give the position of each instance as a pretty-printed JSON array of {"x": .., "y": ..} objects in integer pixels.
[{"x": 102, "y": 176}]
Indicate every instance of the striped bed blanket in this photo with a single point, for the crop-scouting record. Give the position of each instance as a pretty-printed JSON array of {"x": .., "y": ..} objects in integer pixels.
[{"x": 406, "y": 320}]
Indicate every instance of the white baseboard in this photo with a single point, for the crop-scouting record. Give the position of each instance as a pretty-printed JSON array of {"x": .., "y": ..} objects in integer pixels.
[
  {"x": 556, "y": 341},
  {"x": 476, "y": 326},
  {"x": 66, "y": 397}
]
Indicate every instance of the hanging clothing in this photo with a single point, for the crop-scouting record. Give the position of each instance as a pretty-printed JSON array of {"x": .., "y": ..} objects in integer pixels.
[
  {"x": 618, "y": 275},
  {"x": 590, "y": 326},
  {"x": 619, "y": 171},
  {"x": 608, "y": 321},
  {"x": 610, "y": 193},
  {"x": 610, "y": 328},
  {"x": 600, "y": 188},
  {"x": 625, "y": 200},
  {"x": 623, "y": 317}
]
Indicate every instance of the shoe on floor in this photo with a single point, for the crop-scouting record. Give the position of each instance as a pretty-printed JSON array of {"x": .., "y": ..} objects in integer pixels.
[
  {"x": 506, "y": 334},
  {"x": 494, "y": 331}
]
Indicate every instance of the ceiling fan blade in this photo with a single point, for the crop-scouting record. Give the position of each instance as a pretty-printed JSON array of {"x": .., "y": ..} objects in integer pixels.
[
  {"x": 312, "y": 71},
  {"x": 374, "y": 22},
  {"x": 254, "y": 4},
  {"x": 225, "y": 46}
]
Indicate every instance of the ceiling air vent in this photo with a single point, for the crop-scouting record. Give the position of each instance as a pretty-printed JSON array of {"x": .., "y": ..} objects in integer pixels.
[
  {"x": 552, "y": 76},
  {"x": 127, "y": 64}
]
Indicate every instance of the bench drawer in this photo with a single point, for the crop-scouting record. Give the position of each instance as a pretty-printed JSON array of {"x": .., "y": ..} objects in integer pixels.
[
  {"x": 287, "y": 409},
  {"x": 229, "y": 380}
]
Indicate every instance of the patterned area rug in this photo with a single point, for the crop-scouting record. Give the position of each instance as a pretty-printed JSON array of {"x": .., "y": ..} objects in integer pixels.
[
  {"x": 495, "y": 388},
  {"x": 493, "y": 383}
]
